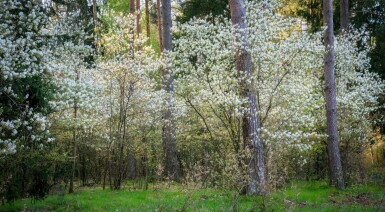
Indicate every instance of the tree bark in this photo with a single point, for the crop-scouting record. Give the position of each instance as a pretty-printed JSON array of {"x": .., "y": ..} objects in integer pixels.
[
  {"x": 132, "y": 30},
  {"x": 171, "y": 164},
  {"x": 166, "y": 25},
  {"x": 159, "y": 20},
  {"x": 95, "y": 19},
  {"x": 74, "y": 136},
  {"x": 336, "y": 175},
  {"x": 71, "y": 188},
  {"x": 132, "y": 7},
  {"x": 251, "y": 138},
  {"x": 344, "y": 15},
  {"x": 94, "y": 13},
  {"x": 147, "y": 19},
  {"x": 107, "y": 161},
  {"x": 121, "y": 132},
  {"x": 138, "y": 27}
]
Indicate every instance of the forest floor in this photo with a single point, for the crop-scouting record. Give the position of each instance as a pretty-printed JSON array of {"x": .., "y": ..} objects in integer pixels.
[{"x": 299, "y": 196}]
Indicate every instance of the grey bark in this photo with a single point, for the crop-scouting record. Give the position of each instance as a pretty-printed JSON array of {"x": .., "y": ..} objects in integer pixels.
[
  {"x": 158, "y": 15},
  {"x": 171, "y": 165},
  {"x": 336, "y": 175},
  {"x": 251, "y": 138},
  {"x": 166, "y": 24},
  {"x": 344, "y": 15}
]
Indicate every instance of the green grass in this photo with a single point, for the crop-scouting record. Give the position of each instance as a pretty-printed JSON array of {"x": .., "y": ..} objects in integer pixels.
[{"x": 299, "y": 196}]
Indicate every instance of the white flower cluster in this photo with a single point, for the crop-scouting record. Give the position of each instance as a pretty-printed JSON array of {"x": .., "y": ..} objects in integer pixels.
[
  {"x": 32, "y": 127},
  {"x": 126, "y": 71},
  {"x": 23, "y": 57},
  {"x": 74, "y": 77},
  {"x": 21, "y": 40},
  {"x": 288, "y": 73}
]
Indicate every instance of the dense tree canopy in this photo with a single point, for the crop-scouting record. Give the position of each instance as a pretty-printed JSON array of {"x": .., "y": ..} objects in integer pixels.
[{"x": 203, "y": 9}]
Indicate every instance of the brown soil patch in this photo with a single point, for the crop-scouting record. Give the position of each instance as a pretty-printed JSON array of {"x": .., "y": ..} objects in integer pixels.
[{"x": 361, "y": 198}]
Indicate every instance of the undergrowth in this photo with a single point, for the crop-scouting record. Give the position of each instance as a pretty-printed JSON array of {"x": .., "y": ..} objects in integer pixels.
[{"x": 296, "y": 196}]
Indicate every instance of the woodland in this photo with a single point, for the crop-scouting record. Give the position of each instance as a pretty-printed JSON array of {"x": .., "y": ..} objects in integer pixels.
[{"x": 192, "y": 105}]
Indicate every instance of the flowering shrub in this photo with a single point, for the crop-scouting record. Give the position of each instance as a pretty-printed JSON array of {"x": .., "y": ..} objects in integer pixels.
[
  {"x": 25, "y": 76},
  {"x": 288, "y": 75}
]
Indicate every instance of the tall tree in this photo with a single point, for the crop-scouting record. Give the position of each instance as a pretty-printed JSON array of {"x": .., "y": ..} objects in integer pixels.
[
  {"x": 159, "y": 22},
  {"x": 147, "y": 18},
  {"x": 251, "y": 138},
  {"x": 96, "y": 23},
  {"x": 132, "y": 7},
  {"x": 171, "y": 165},
  {"x": 138, "y": 27},
  {"x": 344, "y": 15},
  {"x": 132, "y": 29},
  {"x": 74, "y": 140},
  {"x": 94, "y": 13},
  {"x": 336, "y": 174}
]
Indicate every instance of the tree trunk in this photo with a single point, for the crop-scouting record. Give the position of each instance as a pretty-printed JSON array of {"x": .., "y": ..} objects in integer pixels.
[
  {"x": 71, "y": 189},
  {"x": 171, "y": 164},
  {"x": 166, "y": 25},
  {"x": 95, "y": 19},
  {"x": 74, "y": 136},
  {"x": 336, "y": 175},
  {"x": 255, "y": 164},
  {"x": 94, "y": 13},
  {"x": 107, "y": 161},
  {"x": 138, "y": 27},
  {"x": 344, "y": 15},
  {"x": 147, "y": 19},
  {"x": 132, "y": 7},
  {"x": 159, "y": 20},
  {"x": 132, "y": 30}
]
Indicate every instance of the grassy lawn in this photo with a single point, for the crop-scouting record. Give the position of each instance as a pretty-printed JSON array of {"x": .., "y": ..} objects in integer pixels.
[{"x": 300, "y": 196}]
